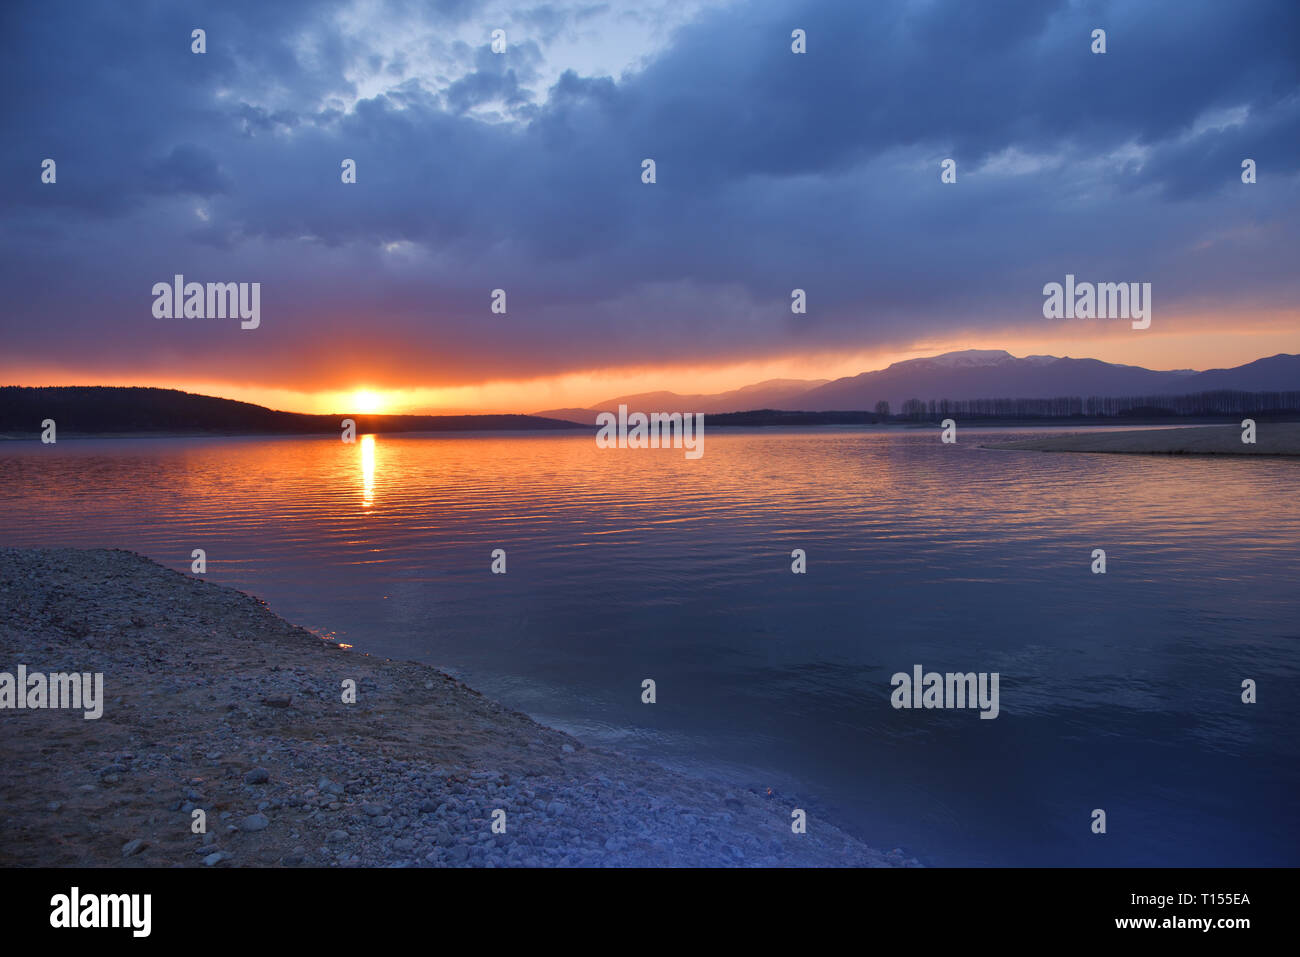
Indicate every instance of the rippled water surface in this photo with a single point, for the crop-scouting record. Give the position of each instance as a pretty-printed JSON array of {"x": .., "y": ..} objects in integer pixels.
[{"x": 1118, "y": 691}]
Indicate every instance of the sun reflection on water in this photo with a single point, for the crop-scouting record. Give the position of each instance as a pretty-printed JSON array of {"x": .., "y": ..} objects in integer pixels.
[{"x": 368, "y": 470}]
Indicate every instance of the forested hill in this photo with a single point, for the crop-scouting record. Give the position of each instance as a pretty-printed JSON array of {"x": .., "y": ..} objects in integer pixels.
[{"x": 116, "y": 410}]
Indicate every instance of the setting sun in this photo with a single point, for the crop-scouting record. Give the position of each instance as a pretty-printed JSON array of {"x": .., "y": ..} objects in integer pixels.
[{"x": 364, "y": 400}]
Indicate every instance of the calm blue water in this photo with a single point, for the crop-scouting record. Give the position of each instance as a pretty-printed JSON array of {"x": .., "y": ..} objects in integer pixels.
[{"x": 1119, "y": 692}]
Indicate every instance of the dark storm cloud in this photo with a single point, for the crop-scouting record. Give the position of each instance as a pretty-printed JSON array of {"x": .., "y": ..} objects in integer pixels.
[
  {"x": 187, "y": 169},
  {"x": 774, "y": 171}
]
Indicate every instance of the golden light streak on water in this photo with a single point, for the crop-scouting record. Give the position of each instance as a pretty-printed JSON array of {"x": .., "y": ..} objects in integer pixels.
[{"x": 368, "y": 470}]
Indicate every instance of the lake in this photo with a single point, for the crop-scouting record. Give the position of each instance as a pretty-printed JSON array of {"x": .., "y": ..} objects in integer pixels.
[{"x": 1119, "y": 691}]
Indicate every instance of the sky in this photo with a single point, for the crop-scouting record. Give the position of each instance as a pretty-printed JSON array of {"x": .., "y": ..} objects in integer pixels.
[{"x": 522, "y": 171}]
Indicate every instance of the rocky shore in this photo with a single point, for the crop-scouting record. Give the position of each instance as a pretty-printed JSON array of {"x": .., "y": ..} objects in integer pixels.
[{"x": 213, "y": 703}]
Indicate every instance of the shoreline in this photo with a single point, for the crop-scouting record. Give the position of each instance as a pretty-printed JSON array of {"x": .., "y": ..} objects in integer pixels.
[
  {"x": 1272, "y": 440},
  {"x": 214, "y": 703},
  {"x": 459, "y": 433},
  {"x": 974, "y": 423}
]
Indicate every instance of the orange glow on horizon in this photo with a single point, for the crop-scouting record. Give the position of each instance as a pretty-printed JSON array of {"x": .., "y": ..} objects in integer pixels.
[{"x": 1187, "y": 342}]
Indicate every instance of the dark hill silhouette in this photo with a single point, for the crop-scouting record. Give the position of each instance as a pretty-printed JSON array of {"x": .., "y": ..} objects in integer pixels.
[
  {"x": 1279, "y": 373},
  {"x": 977, "y": 375},
  {"x": 111, "y": 409}
]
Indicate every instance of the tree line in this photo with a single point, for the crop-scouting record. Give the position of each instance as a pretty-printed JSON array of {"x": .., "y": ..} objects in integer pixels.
[{"x": 1223, "y": 402}]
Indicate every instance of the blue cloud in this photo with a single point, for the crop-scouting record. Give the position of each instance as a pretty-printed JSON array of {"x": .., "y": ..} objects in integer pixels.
[{"x": 775, "y": 170}]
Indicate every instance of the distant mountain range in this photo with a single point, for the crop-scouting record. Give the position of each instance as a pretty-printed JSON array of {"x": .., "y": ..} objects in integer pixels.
[{"x": 971, "y": 374}]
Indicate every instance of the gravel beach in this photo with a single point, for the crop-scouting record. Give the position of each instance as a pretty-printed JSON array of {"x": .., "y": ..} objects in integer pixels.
[{"x": 212, "y": 702}]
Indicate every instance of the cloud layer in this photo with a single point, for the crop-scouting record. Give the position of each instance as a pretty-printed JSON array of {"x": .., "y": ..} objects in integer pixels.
[{"x": 522, "y": 171}]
